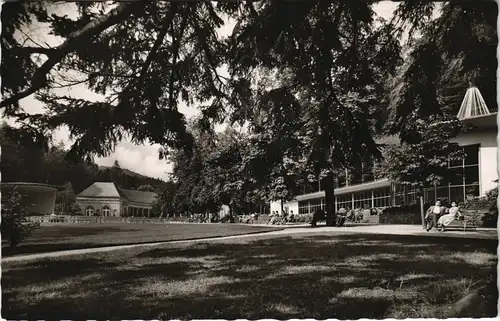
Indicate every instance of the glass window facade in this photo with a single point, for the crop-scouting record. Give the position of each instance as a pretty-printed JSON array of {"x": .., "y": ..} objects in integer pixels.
[
  {"x": 303, "y": 207},
  {"x": 382, "y": 197},
  {"x": 462, "y": 181},
  {"x": 344, "y": 201},
  {"x": 363, "y": 199},
  {"x": 405, "y": 194},
  {"x": 312, "y": 205}
]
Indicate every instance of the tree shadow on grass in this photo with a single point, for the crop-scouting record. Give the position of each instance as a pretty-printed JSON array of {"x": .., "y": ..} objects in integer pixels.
[
  {"x": 72, "y": 237},
  {"x": 56, "y": 238},
  {"x": 316, "y": 276}
]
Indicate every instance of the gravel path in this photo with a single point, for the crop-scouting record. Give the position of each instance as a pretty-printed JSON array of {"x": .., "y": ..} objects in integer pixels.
[{"x": 298, "y": 229}]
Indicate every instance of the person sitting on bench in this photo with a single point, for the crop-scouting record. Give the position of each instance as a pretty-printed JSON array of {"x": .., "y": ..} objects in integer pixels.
[
  {"x": 432, "y": 215},
  {"x": 455, "y": 210},
  {"x": 453, "y": 214},
  {"x": 341, "y": 216}
]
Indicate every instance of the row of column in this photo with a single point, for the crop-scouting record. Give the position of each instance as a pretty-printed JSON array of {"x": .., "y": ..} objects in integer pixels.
[{"x": 137, "y": 212}]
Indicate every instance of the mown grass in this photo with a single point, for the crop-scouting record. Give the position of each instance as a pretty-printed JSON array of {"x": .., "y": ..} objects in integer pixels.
[
  {"x": 301, "y": 276},
  {"x": 56, "y": 237}
]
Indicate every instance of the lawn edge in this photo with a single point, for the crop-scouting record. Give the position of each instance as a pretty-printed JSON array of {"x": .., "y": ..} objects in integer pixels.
[{"x": 26, "y": 256}]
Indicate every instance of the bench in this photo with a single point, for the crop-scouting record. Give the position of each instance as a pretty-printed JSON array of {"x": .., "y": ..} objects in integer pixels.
[{"x": 470, "y": 220}]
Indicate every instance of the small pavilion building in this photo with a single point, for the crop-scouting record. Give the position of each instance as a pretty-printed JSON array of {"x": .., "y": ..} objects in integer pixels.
[{"x": 107, "y": 199}]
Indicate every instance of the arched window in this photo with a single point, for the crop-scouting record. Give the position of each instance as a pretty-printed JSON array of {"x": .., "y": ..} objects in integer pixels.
[
  {"x": 106, "y": 211},
  {"x": 89, "y": 211}
]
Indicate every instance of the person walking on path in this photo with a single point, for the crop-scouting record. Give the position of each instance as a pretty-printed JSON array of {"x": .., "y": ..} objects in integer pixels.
[{"x": 317, "y": 216}]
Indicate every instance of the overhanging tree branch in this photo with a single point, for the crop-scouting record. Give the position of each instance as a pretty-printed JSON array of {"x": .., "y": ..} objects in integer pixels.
[
  {"x": 176, "y": 43},
  {"x": 39, "y": 79},
  {"x": 32, "y": 50},
  {"x": 157, "y": 44}
]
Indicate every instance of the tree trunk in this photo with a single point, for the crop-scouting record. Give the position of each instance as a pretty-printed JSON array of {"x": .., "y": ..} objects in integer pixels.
[
  {"x": 329, "y": 199},
  {"x": 282, "y": 208},
  {"x": 422, "y": 214},
  {"x": 64, "y": 204}
]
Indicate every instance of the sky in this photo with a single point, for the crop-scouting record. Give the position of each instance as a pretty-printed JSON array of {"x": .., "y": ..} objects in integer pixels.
[{"x": 142, "y": 159}]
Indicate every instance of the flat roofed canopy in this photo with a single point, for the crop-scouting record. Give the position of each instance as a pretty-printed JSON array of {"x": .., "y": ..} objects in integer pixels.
[
  {"x": 363, "y": 187},
  {"x": 348, "y": 189},
  {"x": 485, "y": 122},
  {"x": 38, "y": 197},
  {"x": 29, "y": 186}
]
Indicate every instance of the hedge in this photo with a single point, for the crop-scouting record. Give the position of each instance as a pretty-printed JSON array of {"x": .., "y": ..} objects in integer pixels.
[
  {"x": 100, "y": 219},
  {"x": 263, "y": 219},
  {"x": 402, "y": 217},
  {"x": 410, "y": 214},
  {"x": 303, "y": 218}
]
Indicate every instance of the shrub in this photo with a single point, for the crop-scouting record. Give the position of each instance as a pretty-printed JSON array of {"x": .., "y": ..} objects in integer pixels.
[
  {"x": 404, "y": 214},
  {"x": 412, "y": 208},
  {"x": 488, "y": 202},
  {"x": 15, "y": 225},
  {"x": 302, "y": 218},
  {"x": 477, "y": 203},
  {"x": 410, "y": 214},
  {"x": 490, "y": 219},
  {"x": 400, "y": 218}
]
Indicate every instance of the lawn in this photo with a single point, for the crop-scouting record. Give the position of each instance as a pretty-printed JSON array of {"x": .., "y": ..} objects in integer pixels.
[
  {"x": 55, "y": 237},
  {"x": 300, "y": 276}
]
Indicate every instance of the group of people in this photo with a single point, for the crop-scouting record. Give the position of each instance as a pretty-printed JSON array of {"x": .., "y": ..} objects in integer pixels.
[
  {"x": 354, "y": 215},
  {"x": 343, "y": 215},
  {"x": 283, "y": 218},
  {"x": 435, "y": 218}
]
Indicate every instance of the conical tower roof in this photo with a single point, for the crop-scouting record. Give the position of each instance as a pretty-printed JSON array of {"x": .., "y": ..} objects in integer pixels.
[{"x": 473, "y": 104}]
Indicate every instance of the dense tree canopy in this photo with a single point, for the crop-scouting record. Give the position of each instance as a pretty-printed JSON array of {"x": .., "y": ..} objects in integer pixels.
[
  {"x": 457, "y": 49},
  {"x": 424, "y": 160},
  {"x": 329, "y": 96},
  {"x": 144, "y": 56},
  {"x": 218, "y": 171}
]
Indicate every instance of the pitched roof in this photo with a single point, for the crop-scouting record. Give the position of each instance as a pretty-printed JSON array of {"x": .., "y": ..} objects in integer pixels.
[
  {"x": 109, "y": 189},
  {"x": 137, "y": 196},
  {"x": 100, "y": 189}
]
